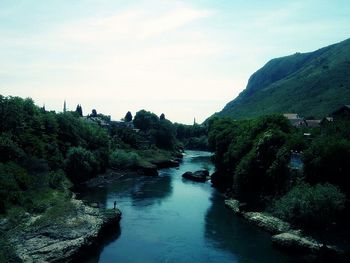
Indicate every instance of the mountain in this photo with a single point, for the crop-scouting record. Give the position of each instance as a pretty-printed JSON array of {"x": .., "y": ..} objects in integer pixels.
[{"x": 312, "y": 84}]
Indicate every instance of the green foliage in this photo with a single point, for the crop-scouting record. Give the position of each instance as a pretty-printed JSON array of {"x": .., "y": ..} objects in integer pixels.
[
  {"x": 124, "y": 159},
  {"x": 9, "y": 150},
  {"x": 312, "y": 206},
  {"x": 162, "y": 132},
  {"x": 327, "y": 160},
  {"x": 164, "y": 135},
  {"x": 311, "y": 84},
  {"x": 128, "y": 117},
  {"x": 80, "y": 164},
  {"x": 13, "y": 180},
  {"x": 145, "y": 120},
  {"x": 253, "y": 153},
  {"x": 56, "y": 213},
  {"x": 193, "y": 137},
  {"x": 79, "y": 110}
]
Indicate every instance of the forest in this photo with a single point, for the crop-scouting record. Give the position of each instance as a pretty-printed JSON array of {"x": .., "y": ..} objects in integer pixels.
[{"x": 253, "y": 162}]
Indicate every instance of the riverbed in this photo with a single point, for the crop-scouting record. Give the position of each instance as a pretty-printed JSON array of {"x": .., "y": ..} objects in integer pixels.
[{"x": 170, "y": 219}]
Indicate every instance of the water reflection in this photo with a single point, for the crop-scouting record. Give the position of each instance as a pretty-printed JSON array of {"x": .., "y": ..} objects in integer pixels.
[
  {"x": 167, "y": 219},
  {"x": 92, "y": 255},
  {"x": 227, "y": 232},
  {"x": 151, "y": 190}
]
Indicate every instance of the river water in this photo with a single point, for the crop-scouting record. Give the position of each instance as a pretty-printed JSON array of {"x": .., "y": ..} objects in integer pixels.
[{"x": 170, "y": 219}]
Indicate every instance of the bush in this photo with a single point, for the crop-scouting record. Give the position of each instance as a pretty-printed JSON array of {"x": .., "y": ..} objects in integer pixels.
[
  {"x": 9, "y": 150},
  {"x": 13, "y": 180},
  {"x": 310, "y": 206},
  {"x": 124, "y": 159},
  {"x": 327, "y": 160},
  {"x": 80, "y": 164},
  {"x": 57, "y": 179}
]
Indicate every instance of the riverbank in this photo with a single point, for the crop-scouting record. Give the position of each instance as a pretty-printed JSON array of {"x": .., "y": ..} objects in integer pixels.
[
  {"x": 61, "y": 234},
  {"x": 69, "y": 226},
  {"x": 286, "y": 237}
]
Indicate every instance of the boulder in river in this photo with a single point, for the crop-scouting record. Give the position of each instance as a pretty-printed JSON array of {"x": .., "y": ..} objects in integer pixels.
[{"x": 198, "y": 176}]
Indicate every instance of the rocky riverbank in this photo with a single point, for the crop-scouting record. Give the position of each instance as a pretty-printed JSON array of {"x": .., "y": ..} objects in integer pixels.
[
  {"x": 284, "y": 236},
  {"x": 64, "y": 236}
]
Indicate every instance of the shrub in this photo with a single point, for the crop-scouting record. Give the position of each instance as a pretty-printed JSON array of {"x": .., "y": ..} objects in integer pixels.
[
  {"x": 310, "y": 206},
  {"x": 9, "y": 150},
  {"x": 124, "y": 159},
  {"x": 13, "y": 180},
  {"x": 57, "y": 179},
  {"x": 80, "y": 164}
]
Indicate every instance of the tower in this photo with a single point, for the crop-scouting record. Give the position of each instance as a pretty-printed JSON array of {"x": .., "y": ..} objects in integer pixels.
[{"x": 64, "y": 106}]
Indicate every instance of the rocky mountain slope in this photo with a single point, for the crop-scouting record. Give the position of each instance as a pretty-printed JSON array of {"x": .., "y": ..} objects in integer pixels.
[{"x": 311, "y": 84}]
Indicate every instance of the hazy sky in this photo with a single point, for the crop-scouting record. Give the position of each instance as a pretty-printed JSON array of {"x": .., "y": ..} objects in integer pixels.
[{"x": 183, "y": 58}]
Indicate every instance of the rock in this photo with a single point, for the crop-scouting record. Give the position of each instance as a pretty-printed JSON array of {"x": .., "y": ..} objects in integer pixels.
[
  {"x": 233, "y": 204},
  {"x": 198, "y": 176},
  {"x": 296, "y": 242},
  {"x": 94, "y": 204},
  {"x": 62, "y": 241},
  {"x": 271, "y": 224}
]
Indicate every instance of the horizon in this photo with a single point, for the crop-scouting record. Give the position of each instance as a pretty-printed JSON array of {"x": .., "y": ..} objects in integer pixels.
[{"x": 185, "y": 59}]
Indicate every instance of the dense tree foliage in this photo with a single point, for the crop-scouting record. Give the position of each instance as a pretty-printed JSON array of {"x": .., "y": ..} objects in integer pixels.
[
  {"x": 193, "y": 137},
  {"x": 252, "y": 155},
  {"x": 41, "y": 149},
  {"x": 79, "y": 110},
  {"x": 128, "y": 117},
  {"x": 311, "y": 206},
  {"x": 252, "y": 159},
  {"x": 145, "y": 120},
  {"x": 36, "y": 144},
  {"x": 160, "y": 131}
]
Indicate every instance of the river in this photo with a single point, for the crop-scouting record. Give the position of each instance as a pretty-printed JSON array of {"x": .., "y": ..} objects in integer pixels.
[{"x": 170, "y": 219}]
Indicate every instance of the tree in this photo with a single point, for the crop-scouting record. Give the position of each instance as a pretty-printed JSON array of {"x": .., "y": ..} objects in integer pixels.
[
  {"x": 162, "y": 116},
  {"x": 93, "y": 113},
  {"x": 145, "y": 120},
  {"x": 327, "y": 160},
  {"x": 312, "y": 206},
  {"x": 128, "y": 117},
  {"x": 79, "y": 110},
  {"x": 80, "y": 164}
]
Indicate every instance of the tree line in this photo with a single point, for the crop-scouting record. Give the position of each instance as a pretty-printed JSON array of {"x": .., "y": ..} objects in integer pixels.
[{"x": 253, "y": 162}]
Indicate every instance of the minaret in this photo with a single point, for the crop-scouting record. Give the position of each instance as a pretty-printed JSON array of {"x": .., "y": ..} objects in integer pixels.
[
  {"x": 194, "y": 121},
  {"x": 64, "y": 106}
]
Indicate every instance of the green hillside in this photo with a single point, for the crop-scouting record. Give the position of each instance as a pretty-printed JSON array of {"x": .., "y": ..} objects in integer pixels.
[{"x": 311, "y": 84}]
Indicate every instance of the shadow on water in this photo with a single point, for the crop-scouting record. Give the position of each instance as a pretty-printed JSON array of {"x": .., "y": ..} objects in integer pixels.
[
  {"x": 228, "y": 232},
  {"x": 140, "y": 189},
  {"x": 152, "y": 190},
  {"x": 92, "y": 254}
]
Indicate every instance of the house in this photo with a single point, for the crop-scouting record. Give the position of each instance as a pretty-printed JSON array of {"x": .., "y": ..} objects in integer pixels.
[
  {"x": 295, "y": 119},
  {"x": 123, "y": 124},
  {"x": 312, "y": 123},
  {"x": 341, "y": 113}
]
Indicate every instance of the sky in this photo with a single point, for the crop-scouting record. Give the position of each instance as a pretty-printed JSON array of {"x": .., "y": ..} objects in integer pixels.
[{"x": 185, "y": 59}]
